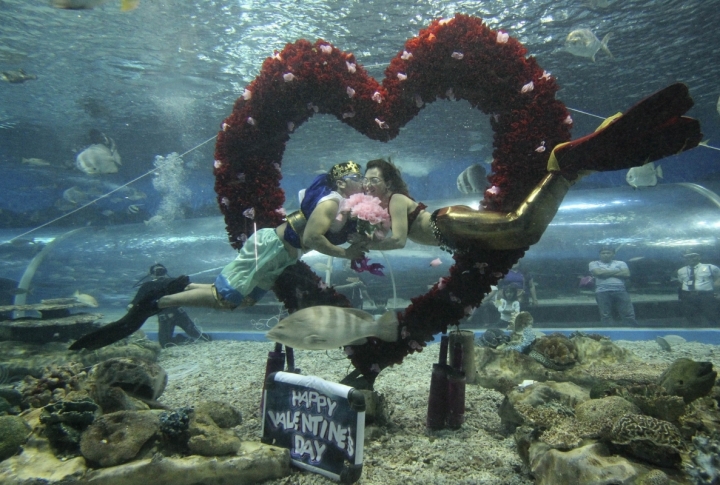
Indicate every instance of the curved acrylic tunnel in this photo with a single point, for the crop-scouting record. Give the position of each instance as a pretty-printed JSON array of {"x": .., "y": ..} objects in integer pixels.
[{"x": 649, "y": 228}]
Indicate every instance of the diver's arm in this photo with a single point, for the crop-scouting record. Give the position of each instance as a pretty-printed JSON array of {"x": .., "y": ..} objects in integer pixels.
[
  {"x": 398, "y": 217},
  {"x": 318, "y": 224}
]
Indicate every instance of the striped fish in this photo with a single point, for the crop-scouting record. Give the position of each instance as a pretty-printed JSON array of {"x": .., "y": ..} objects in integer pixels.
[{"x": 329, "y": 327}]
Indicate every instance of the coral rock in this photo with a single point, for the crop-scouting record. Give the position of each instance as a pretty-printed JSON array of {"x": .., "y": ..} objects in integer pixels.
[
  {"x": 66, "y": 420},
  {"x": 224, "y": 415},
  {"x": 138, "y": 378},
  {"x": 558, "y": 352},
  {"x": 118, "y": 437},
  {"x": 207, "y": 439},
  {"x": 590, "y": 464},
  {"x": 649, "y": 439},
  {"x": 13, "y": 433},
  {"x": 598, "y": 416}
]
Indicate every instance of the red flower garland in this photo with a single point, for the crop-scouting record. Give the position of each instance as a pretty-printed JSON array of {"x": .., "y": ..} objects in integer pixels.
[{"x": 458, "y": 58}]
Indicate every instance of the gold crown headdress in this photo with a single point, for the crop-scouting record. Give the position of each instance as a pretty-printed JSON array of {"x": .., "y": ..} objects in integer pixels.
[{"x": 346, "y": 168}]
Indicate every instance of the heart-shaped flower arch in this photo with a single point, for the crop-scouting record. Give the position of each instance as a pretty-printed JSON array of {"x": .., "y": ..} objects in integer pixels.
[{"x": 458, "y": 58}]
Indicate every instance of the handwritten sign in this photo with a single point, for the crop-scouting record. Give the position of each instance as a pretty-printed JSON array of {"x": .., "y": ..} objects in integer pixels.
[{"x": 322, "y": 423}]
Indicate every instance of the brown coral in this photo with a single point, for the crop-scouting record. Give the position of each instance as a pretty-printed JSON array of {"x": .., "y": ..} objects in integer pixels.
[
  {"x": 521, "y": 321},
  {"x": 54, "y": 384},
  {"x": 558, "y": 349},
  {"x": 649, "y": 439}
]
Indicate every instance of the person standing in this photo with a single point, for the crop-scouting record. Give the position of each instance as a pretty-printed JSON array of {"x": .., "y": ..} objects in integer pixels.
[
  {"x": 610, "y": 291},
  {"x": 697, "y": 292}
]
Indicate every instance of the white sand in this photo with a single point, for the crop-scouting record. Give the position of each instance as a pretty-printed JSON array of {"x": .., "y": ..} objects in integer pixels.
[{"x": 232, "y": 371}]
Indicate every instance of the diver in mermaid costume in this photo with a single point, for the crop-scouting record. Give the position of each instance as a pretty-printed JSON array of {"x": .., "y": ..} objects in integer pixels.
[
  {"x": 246, "y": 279},
  {"x": 652, "y": 129}
]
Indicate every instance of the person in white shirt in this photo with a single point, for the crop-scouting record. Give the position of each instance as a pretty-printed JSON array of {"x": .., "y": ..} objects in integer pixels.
[
  {"x": 610, "y": 291},
  {"x": 697, "y": 291}
]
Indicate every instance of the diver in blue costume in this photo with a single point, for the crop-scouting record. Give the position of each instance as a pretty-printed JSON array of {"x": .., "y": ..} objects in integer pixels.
[{"x": 263, "y": 257}]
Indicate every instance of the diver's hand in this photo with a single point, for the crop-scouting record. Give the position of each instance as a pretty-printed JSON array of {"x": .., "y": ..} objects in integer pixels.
[
  {"x": 355, "y": 251},
  {"x": 357, "y": 238}
]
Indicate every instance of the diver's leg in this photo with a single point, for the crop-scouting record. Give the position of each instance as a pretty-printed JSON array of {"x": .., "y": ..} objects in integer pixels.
[
  {"x": 165, "y": 330},
  {"x": 197, "y": 297},
  {"x": 183, "y": 320}
]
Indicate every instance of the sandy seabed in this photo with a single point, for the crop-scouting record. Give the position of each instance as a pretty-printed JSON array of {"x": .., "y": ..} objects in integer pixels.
[{"x": 478, "y": 453}]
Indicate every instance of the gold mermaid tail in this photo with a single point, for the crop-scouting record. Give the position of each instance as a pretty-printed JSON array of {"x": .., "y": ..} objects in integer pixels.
[
  {"x": 652, "y": 129},
  {"x": 495, "y": 230}
]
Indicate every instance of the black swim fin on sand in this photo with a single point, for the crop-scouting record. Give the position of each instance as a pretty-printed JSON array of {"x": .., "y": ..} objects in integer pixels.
[{"x": 133, "y": 320}]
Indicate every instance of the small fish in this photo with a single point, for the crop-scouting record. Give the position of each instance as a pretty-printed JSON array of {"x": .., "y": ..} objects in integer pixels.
[
  {"x": 134, "y": 208},
  {"x": 17, "y": 291},
  {"x": 352, "y": 279},
  {"x": 645, "y": 176},
  {"x": 36, "y": 162},
  {"x": 125, "y": 5},
  {"x": 435, "y": 262},
  {"x": 472, "y": 180},
  {"x": 85, "y": 298},
  {"x": 583, "y": 43},
  {"x": 74, "y": 195},
  {"x": 16, "y": 77},
  {"x": 674, "y": 339},
  {"x": 99, "y": 158},
  {"x": 63, "y": 205},
  {"x": 136, "y": 195},
  {"x": 664, "y": 344},
  {"x": 639, "y": 258},
  {"x": 107, "y": 213},
  {"x": 329, "y": 327},
  {"x": 476, "y": 147}
]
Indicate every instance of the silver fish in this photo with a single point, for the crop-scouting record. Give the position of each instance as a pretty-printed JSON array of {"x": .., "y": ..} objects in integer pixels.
[
  {"x": 329, "y": 327},
  {"x": 645, "y": 176},
  {"x": 74, "y": 195},
  {"x": 583, "y": 43},
  {"x": 16, "y": 77},
  {"x": 472, "y": 180},
  {"x": 38, "y": 162},
  {"x": 664, "y": 344},
  {"x": 97, "y": 159}
]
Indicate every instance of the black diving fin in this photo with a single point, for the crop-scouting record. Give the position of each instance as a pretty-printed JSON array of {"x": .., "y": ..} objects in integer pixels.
[{"x": 133, "y": 320}]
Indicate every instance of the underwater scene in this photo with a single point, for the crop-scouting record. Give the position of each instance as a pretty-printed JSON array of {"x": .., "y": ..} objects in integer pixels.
[{"x": 374, "y": 242}]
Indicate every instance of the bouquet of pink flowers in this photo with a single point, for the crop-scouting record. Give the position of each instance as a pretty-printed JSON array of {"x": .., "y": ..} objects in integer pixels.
[{"x": 372, "y": 218}]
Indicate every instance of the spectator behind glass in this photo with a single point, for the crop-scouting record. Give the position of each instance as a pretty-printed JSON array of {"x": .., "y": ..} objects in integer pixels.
[
  {"x": 697, "y": 291},
  {"x": 610, "y": 293},
  {"x": 508, "y": 305},
  {"x": 524, "y": 282}
]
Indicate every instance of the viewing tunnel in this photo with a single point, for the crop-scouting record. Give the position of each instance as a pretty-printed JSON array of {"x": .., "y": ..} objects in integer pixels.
[{"x": 649, "y": 228}]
